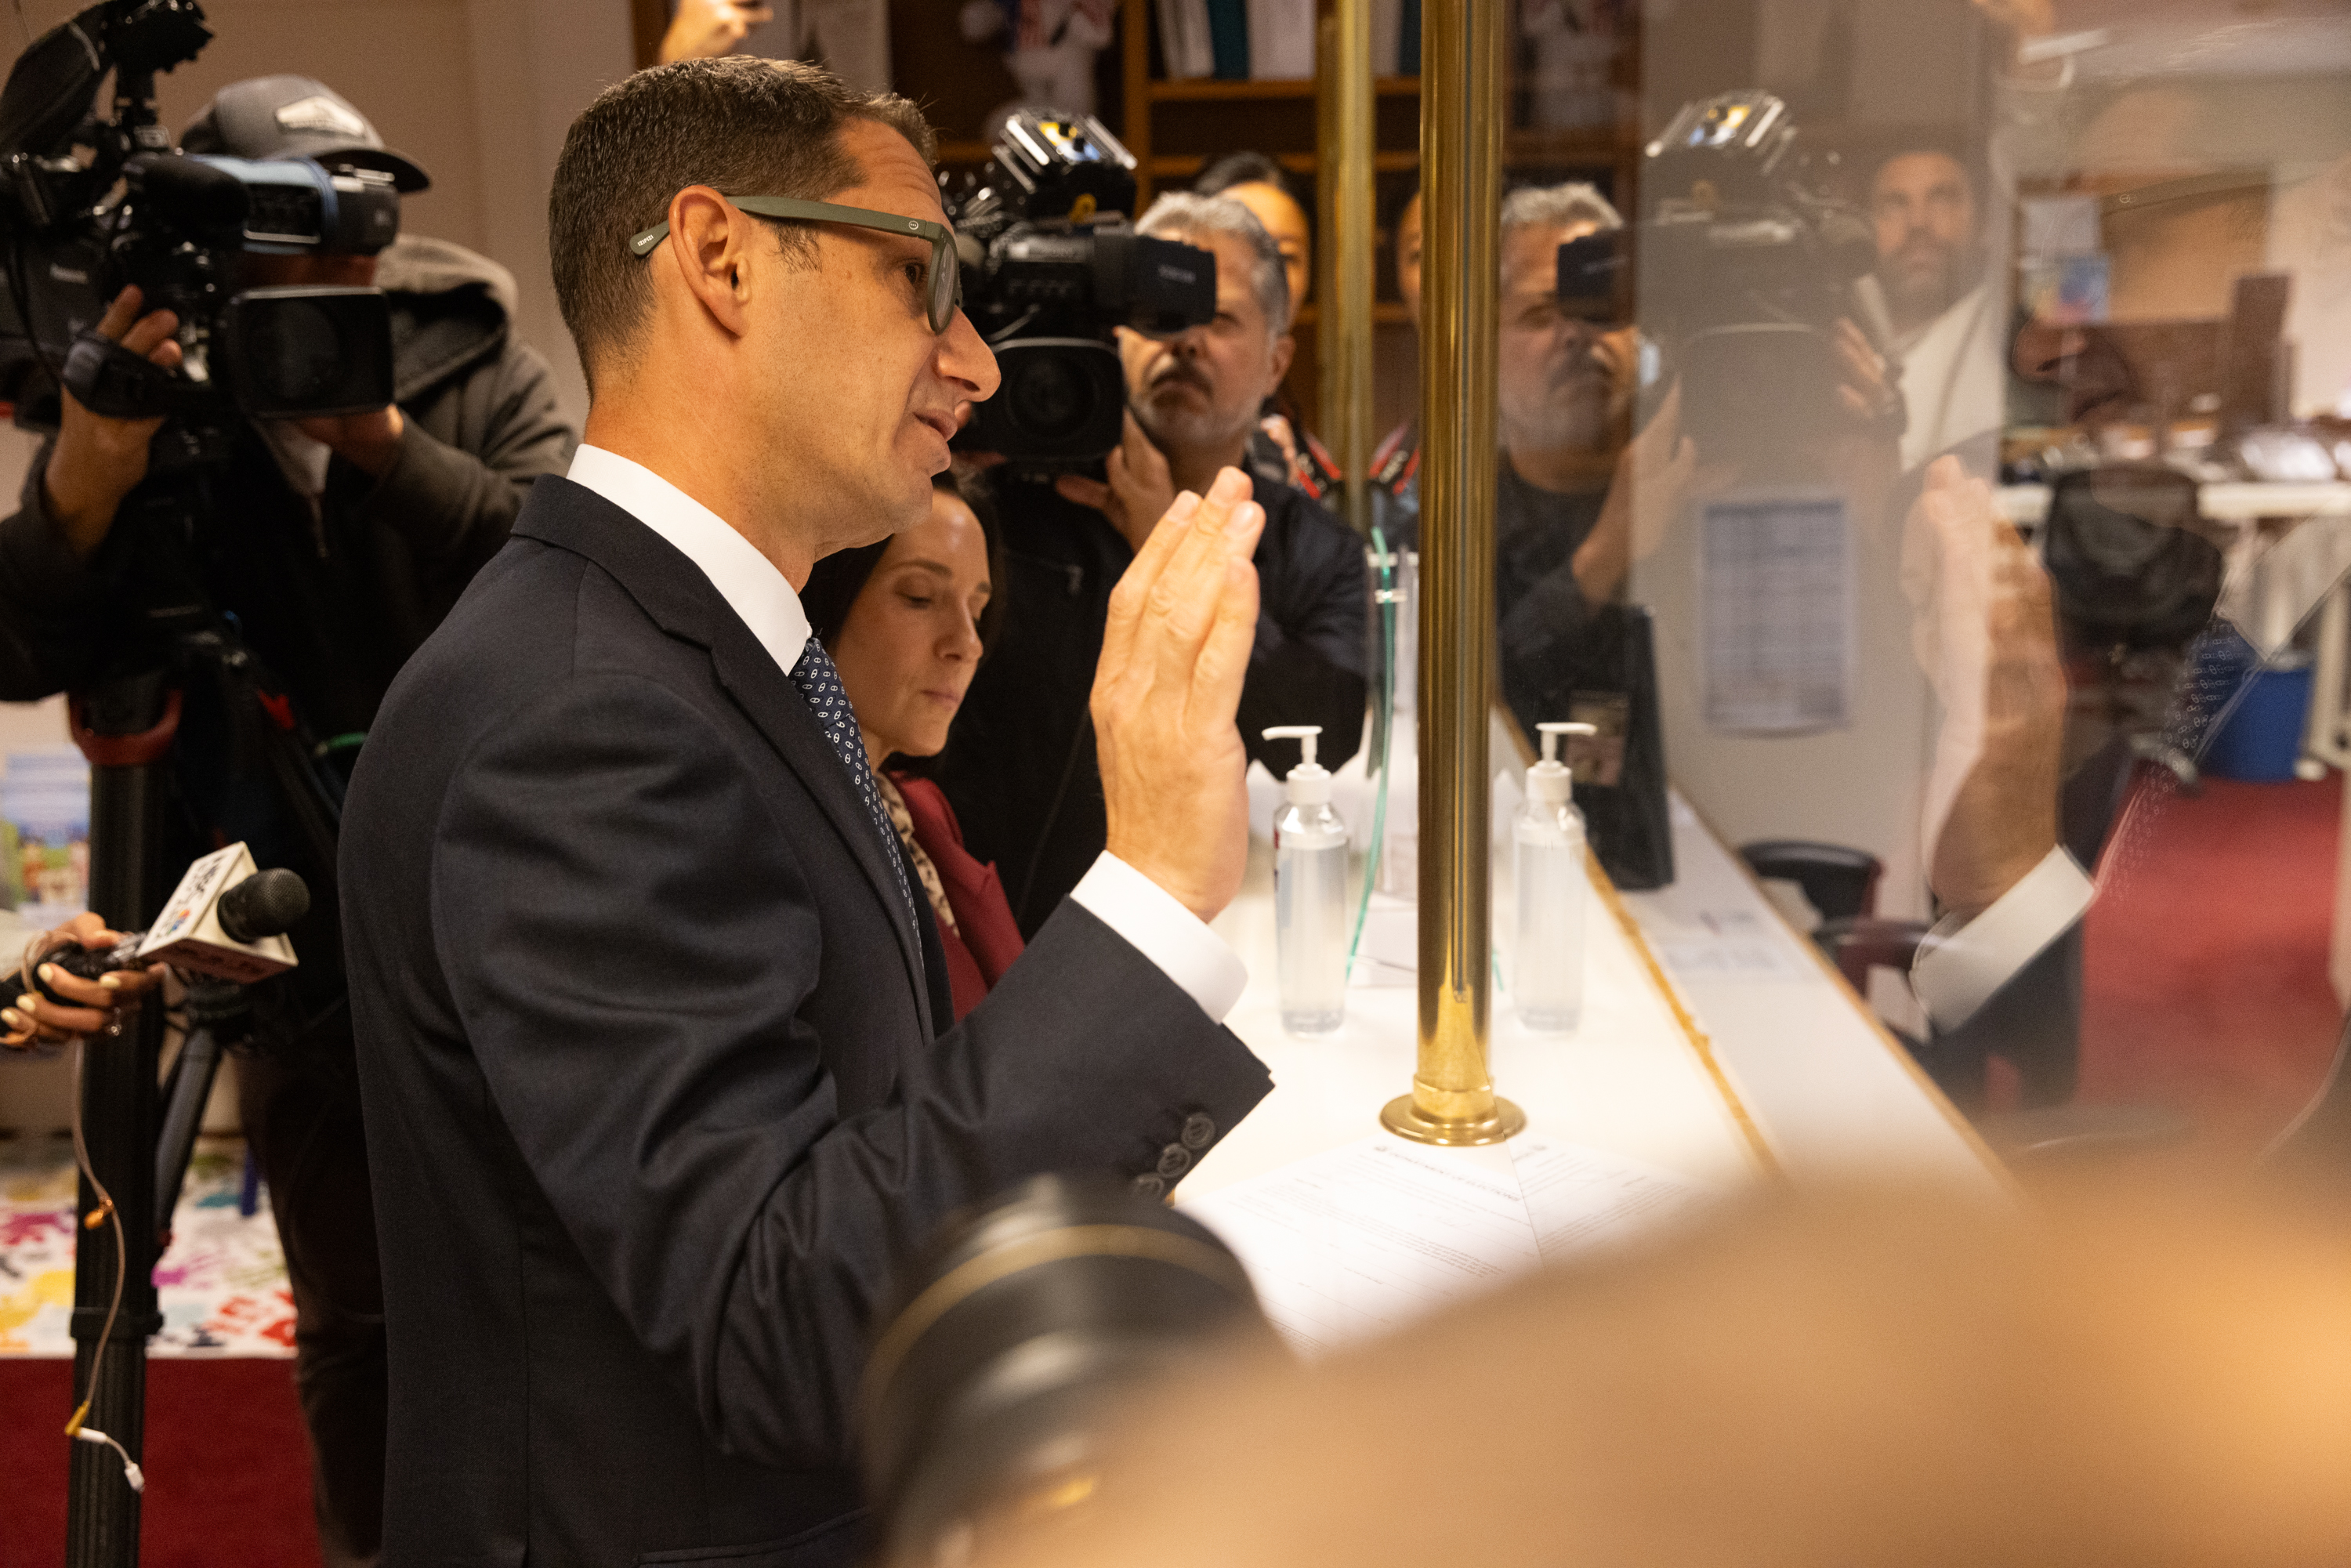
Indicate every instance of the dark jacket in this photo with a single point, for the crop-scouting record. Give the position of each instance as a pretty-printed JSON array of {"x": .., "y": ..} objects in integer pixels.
[
  {"x": 331, "y": 606},
  {"x": 1020, "y": 766},
  {"x": 653, "y": 1103}
]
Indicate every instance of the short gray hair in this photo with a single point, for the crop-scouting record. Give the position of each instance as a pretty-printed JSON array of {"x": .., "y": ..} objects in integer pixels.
[
  {"x": 1559, "y": 206},
  {"x": 1183, "y": 211}
]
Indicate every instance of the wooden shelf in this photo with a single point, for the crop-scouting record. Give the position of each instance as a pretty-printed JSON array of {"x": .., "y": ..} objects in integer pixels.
[
  {"x": 1196, "y": 87},
  {"x": 1182, "y": 165}
]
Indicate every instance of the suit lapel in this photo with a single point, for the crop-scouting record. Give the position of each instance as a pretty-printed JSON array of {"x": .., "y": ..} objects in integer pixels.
[{"x": 675, "y": 593}]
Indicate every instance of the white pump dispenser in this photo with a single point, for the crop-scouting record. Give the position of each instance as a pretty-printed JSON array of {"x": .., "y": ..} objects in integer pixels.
[
  {"x": 1548, "y": 846},
  {"x": 1310, "y": 893}
]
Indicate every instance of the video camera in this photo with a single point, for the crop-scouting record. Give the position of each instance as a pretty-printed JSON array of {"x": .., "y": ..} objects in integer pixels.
[
  {"x": 1051, "y": 264},
  {"x": 88, "y": 206},
  {"x": 1747, "y": 267}
]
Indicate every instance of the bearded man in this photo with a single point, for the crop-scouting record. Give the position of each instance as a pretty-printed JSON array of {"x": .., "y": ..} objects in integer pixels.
[{"x": 1928, "y": 220}]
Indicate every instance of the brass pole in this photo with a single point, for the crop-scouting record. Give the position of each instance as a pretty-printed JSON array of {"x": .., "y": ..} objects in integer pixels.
[
  {"x": 1342, "y": 100},
  {"x": 1461, "y": 104}
]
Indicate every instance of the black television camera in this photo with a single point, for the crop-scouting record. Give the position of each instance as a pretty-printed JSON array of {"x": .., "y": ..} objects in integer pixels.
[
  {"x": 1746, "y": 265},
  {"x": 1050, "y": 265},
  {"x": 88, "y": 206}
]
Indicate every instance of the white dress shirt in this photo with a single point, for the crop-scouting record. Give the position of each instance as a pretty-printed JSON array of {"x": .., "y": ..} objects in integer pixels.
[
  {"x": 1959, "y": 967},
  {"x": 1150, "y": 918}
]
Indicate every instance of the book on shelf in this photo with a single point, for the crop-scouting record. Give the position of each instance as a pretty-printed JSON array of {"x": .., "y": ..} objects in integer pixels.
[
  {"x": 1228, "y": 37},
  {"x": 1184, "y": 41},
  {"x": 1281, "y": 39}
]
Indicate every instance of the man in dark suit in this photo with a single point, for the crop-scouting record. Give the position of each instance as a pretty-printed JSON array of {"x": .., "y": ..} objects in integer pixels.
[{"x": 647, "y": 1011}]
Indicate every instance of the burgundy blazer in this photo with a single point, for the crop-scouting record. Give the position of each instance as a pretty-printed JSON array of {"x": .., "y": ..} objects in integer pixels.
[{"x": 988, "y": 941}]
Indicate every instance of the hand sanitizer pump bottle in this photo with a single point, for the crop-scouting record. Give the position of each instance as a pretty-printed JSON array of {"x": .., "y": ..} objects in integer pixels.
[
  {"x": 1309, "y": 893},
  {"x": 1548, "y": 839}
]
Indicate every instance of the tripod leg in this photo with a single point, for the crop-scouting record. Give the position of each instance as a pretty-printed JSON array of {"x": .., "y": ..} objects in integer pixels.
[
  {"x": 183, "y": 1115},
  {"x": 127, "y": 729}
]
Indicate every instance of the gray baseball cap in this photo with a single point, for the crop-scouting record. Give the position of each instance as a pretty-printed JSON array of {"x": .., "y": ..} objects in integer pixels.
[{"x": 295, "y": 117}]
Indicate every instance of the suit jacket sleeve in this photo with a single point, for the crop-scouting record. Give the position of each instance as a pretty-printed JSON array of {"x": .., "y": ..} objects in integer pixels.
[
  {"x": 632, "y": 943},
  {"x": 2033, "y": 1021}
]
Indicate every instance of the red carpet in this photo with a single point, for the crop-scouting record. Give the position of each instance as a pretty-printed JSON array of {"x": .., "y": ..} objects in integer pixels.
[
  {"x": 228, "y": 1469},
  {"x": 2205, "y": 957}
]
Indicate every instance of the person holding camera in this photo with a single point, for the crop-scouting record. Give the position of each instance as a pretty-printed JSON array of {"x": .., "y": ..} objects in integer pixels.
[
  {"x": 330, "y": 546},
  {"x": 1021, "y": 767}
]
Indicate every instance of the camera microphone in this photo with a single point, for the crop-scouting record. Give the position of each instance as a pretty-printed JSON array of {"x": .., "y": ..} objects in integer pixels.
[{"x": 227, "y": 920}]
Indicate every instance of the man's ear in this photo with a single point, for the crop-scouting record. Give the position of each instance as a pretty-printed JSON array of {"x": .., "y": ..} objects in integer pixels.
[
  {"x": 707, "y": 245},
  {"x": 1285, "y": 349}
]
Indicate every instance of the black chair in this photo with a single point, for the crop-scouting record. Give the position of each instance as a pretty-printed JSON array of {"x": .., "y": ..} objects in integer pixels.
[{"x": 1841, "y": 882}]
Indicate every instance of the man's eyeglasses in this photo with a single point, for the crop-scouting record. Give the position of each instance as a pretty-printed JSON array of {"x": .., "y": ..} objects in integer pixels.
[{"x": 942, "y": 285}]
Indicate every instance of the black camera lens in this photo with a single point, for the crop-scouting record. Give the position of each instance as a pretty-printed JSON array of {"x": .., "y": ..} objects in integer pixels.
[
  {"x": 297, "y": 352},
  {"x": 1050, "y": 397}
]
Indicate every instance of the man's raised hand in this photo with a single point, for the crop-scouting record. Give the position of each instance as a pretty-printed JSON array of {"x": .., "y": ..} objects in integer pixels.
[{"x": 1177, "y": 645}]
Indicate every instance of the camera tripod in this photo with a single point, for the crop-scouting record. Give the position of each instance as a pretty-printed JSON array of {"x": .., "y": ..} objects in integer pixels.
[{"x": 136, "y": 1134}]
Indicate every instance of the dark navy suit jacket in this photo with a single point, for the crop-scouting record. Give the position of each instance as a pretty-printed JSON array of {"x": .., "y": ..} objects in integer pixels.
[{"x": 653, "y": 1098}]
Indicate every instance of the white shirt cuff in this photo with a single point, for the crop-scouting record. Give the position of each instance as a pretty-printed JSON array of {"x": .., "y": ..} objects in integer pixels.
[
  {"x": 1958, "y": 969},
  {"x": 1160, "y": 928}
]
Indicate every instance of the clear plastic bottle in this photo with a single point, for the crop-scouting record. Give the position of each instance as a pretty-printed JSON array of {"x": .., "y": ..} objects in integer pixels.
[
  {"x": 1309, "y": 893},
  {"x": 1548, "y": 844}
]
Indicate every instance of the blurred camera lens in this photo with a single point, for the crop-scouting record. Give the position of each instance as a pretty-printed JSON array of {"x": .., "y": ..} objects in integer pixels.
[{"x": 994, "y": 1389}]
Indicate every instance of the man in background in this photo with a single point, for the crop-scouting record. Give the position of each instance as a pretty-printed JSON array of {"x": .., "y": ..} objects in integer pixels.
[
  {"x": 334, "y": 548},
  {"x": 1020, "y": 766},
  {"x": 1926, "y": 215}
]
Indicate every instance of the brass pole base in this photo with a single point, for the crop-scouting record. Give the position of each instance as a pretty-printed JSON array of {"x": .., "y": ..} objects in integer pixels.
[{"x": 1406, "y": 1119}]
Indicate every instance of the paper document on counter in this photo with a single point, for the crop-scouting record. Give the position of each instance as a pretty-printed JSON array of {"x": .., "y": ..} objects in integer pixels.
[{"x": 1350, "y": 1244}]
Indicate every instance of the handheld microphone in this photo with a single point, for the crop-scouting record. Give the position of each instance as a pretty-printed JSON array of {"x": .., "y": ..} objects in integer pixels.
[{"x": 227, "y": 919}]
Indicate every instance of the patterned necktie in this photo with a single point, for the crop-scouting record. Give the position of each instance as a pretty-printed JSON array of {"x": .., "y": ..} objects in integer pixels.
[{"x": 819, "y": 683}]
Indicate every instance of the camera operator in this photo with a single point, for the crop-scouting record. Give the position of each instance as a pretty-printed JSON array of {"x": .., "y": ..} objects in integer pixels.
[
  {"x": 333, "y": 545},
  {"x": 1020, "y": 766},
  {"x": 1925, "y": 217}
]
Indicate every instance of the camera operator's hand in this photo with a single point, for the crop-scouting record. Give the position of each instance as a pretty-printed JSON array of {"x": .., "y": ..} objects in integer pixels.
[
  {"x": 1989, "y": 639},
  {"x": 371, "y": 442},
  {"x": 1864, "y": 388},
  {"x": 35, "y": 1020},
  {"x": 1174, "y": 649},
  {"x": 1653, "y": 474},
  {"x": 1139, "y": 493},
  {"x": 97, "y": 461},
  {"x": 704, "y": 29}
]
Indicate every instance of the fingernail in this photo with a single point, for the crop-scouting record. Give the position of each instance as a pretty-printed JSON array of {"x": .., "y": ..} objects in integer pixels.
[
  {"x": 1245, "y": 516},
  {"x": 1231, "y": 486},
  {"x": 10, "y": 1017},
  {"x": 111, "y": 981},
  {"x": 29, "y": 1002},
  {"x": 47, "y": 972},
  {"x": 1186, "y": 504}
]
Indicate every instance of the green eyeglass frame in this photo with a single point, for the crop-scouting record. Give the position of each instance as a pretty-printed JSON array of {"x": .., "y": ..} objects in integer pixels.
[{"x": 943, "y": 285}]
